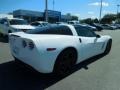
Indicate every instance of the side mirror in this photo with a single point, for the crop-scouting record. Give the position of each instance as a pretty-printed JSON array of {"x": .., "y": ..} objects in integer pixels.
[{"x": 97, "y": 36}]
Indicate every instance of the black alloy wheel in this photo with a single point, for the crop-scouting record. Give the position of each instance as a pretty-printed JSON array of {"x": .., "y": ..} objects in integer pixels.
[
  {"x": 108, "y": 47},
  {"x": 64, "y": 62}
]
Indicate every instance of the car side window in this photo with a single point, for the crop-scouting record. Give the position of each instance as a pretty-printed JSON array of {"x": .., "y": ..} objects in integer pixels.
[{"x": 85, "y": 31}]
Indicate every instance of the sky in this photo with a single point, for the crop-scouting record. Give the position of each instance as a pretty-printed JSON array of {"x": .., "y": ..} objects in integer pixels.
[{"x": 81, "y": 8}]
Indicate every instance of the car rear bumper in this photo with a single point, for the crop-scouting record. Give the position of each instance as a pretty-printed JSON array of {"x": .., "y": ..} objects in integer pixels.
[{"x": 41, "y": 63}]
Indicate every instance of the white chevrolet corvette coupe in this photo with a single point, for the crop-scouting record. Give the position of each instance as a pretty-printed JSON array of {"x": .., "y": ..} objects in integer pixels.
[{"x": 57, "y": 48}]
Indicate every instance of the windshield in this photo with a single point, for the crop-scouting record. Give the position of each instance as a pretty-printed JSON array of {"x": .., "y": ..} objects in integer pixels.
[{"x": 18, "y": 22}]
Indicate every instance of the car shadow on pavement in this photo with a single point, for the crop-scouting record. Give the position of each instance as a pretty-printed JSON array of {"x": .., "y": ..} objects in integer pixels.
[
  {"x": 13, "y": 77},
  {"x": 4, "y": 39}
]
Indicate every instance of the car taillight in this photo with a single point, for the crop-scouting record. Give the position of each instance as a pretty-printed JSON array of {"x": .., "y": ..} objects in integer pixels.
[
  {"x": 31, "y": 45},
  {"x": 24, "y": 44},
  {"x": 51, "y": 49}
]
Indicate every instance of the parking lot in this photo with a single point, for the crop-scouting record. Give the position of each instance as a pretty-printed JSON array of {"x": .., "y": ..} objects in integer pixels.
[{"x": 101, "y": 73}]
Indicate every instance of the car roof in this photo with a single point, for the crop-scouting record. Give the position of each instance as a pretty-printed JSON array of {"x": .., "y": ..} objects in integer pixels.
[
  {"x": 54, "y": 26},
  {"x": 60, "y": 25}
]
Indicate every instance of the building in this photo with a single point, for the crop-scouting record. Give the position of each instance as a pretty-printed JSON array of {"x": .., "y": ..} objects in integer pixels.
[
  {"x": 54, "y": 16},
  {"x": 31, "y": 16},
  {"x": 65, "y": 18},
  {"x": 28, "y": 15}
]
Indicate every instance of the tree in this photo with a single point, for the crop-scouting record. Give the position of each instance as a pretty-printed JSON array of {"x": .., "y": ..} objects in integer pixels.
[
  {"x": 117, "y": 18},
  {"x": 74, "y": 17},
  {"x": 108, "y": 18},
  {"x": 68, "y": 14},
  {"x": 88, "y": 21},
  {"x": 96, "y": 20}
]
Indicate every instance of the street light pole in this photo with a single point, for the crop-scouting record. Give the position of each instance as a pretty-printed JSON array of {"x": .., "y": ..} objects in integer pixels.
[
  {"x": 100, "y": 11},
  {"x": 46, "y": 10},
  {"x": 118, "y": 10},
  {"x": 53, "y": 4}
]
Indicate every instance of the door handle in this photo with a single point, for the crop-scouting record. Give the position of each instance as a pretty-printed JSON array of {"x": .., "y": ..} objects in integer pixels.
[{"x": 80, "y": 40}]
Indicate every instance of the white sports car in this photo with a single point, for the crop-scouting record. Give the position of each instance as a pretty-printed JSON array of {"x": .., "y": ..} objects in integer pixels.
[{"x": 57, "y": 48}]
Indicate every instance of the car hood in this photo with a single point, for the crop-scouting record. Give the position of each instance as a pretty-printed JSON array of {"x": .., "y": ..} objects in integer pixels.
[{"x": 22, "y": 26}]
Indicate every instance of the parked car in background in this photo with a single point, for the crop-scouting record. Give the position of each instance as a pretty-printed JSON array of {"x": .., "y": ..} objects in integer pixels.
[
  {"x": 39, "y": 24},
  {"x": 89, "y": 26},
  {"x": 9, "y": 25},
  {"x": 57, "y": 48},
  {"x": 115, "y": 26},
  {"x": 73, "y": 22},
  {"x": 107, "y": 27},
  {"x": 98, "y": 27}
]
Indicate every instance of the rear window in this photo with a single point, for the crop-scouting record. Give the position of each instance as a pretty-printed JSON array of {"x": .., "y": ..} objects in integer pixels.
[{"x": 59, "y": 30}]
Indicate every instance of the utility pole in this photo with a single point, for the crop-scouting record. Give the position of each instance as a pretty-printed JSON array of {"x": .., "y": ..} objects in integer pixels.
[
  {"x": 53, "y": 4},
  {"x": 118, "y": 11},
  {"x": 100, "y": 11},
  {"x": 46, "y": 10}
]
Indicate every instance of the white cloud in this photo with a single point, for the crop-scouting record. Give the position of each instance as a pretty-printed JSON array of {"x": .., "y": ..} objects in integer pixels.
[
  {"x": 107, "y": 12},
  {"x": 93, "y": 17},
  {"x": 105, "y": 4},
  {"x": 90, "y": 12}
]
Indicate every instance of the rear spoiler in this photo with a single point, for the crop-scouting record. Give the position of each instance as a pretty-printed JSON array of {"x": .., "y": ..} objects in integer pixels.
[{"x": 16, "y": 34}]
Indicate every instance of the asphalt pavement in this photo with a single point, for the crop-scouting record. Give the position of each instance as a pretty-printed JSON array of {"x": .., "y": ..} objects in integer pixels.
[{"x": 98, "y": 73}]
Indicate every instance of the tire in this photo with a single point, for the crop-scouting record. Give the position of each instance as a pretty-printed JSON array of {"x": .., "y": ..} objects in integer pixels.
[
  {"x": 64, "y": 62},
  {"x": 16, "y": 61},
  {"x": 108, "y": 47},
  {"x": 1, "y": 35}
]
